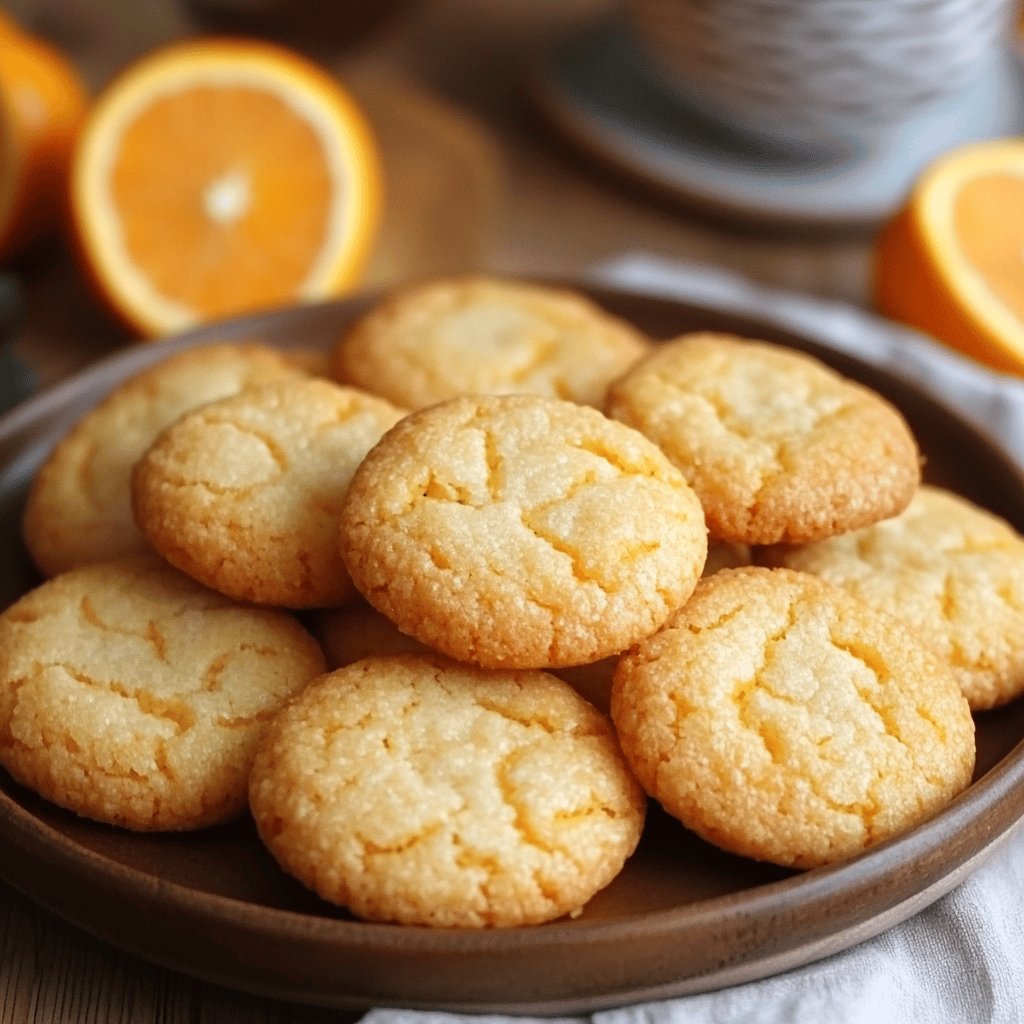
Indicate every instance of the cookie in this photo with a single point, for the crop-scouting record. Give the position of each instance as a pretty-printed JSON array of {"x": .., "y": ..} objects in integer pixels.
[
  {"x": 79, "y": 505},
  {"x": 414, "y": 790},
  {"x": 521, "y": 532},
  {"x": 243, "y": 494},
  {"x": 358, "y": 631},
  {"x": 134, "y": 696},
  {"x": 438, "y": 340},
  {"x": 951, "y": 571},
  {"x": 779, "y": 448},
  {"x": 782, "y": 719}
]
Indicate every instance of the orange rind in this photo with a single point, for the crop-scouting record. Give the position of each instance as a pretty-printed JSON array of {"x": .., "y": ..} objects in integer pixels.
[
  {"x": 951, "y": 262},
  {"x": 43, "y": 102}
]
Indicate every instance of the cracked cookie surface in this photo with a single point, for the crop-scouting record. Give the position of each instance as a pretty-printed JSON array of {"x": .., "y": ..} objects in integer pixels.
[
  {"x": 244, "y": 493},
  {"x": 132, "y": 695},
  {"x": 950, "y": 570},
  {"x": 779, "y": 448},
  {"x": 434, "y": 341},
  {"x": 79, "y": 505},
  {"x": 414, "y": 790},
  {"x": 782, "y": 719},
  {"x": 521, "y": 532}
]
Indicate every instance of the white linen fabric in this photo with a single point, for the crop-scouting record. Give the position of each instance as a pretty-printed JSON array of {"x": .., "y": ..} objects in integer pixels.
[{"x": 961, "y": 960}]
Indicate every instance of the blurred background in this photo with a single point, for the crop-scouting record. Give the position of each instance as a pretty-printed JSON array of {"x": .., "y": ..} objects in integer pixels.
[
  {"x": 475, "y": 178},
  {"x": 515, "y": 136}
]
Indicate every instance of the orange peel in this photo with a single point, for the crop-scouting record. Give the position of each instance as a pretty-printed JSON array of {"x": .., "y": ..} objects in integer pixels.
[{"x": 951, "y": 261}]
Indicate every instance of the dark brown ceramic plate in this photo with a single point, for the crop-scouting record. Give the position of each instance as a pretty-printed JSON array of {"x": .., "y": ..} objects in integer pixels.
[{"x": 682, "y": 917}]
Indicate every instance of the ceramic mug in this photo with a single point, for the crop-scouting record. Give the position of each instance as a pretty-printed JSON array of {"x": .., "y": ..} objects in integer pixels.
[{"x": 822, "y": 75}]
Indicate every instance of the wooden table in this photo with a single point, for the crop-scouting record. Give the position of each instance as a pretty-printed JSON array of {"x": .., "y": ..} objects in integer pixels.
[{"x": 475, "y": 182}]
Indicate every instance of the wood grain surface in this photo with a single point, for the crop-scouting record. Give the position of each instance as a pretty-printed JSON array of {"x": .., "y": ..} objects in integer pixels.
[
  {"x": 51, "y": 973},
  {"x": 475, "y": 182}
]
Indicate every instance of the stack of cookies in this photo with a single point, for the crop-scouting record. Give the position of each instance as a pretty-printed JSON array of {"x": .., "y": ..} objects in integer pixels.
[{"x": 444, "y": 611}]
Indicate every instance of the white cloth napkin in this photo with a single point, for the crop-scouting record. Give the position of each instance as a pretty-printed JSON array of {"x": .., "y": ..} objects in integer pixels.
[{"x": 962, "y": 959}]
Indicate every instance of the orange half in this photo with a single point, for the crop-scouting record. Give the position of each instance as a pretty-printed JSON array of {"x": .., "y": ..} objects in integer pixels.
[
  {"x": 952, "y": 261},
  {"x": 42, "y": 106},
  {"x": 220, "y": 177}
]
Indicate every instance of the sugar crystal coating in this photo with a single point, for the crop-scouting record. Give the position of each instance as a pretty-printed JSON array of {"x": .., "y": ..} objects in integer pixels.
[
  {"x": 782, "y": 719},
  {"x": 133, "y": 695},
  {"x": 521, "y": 532},
  {"x": 415, "y": 790}
]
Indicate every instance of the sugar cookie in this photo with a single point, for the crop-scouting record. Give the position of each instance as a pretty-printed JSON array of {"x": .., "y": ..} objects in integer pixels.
[
  {"x": 951, "y": 571},
  {"x": 782, "y": 719},
  {"x": 415, "y": 790},
  {"x": 132, "y": 695},
  {"x": 79, "y": 504},
  {"x": 778, "y": 447},
  {"x": 244, "y": 493},
  {"x": 521, "y": 532},
  {"x": 434, "y": 341}
]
